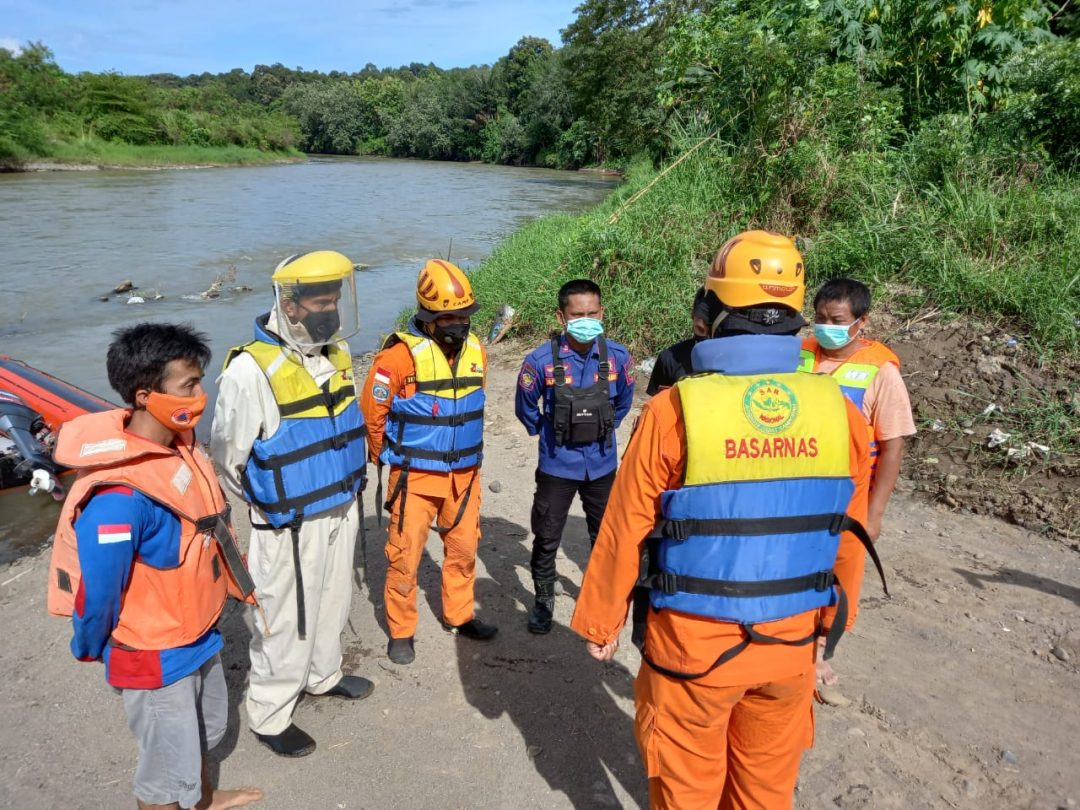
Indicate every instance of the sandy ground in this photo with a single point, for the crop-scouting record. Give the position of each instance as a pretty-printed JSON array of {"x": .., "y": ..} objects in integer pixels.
[{"x": 963, "y": 687}]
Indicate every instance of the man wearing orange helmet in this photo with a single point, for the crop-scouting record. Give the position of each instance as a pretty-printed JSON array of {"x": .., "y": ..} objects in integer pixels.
[
  {"x": 745, "y": 474},
  {"x": 423, "y": 402}
]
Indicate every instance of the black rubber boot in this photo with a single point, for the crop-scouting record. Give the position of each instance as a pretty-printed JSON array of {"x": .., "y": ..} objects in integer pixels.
[
  {"x": 473, "y": 628},
  {"x": 543, "y": 608},
  {"x": 400, "y": 650},
  {"x": 350, "y": 687},
  {"x": 292, "y": 742}
]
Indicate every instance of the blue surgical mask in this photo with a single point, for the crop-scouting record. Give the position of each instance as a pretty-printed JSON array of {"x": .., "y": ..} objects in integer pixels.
[
  {"x": 833, "y": 336},
  {"x": 584, "y": 330}
]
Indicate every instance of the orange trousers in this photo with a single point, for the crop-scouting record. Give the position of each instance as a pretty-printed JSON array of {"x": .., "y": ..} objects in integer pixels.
[
  {"x": 404, "y": 549},
  {"x": 727, "y": 747}
]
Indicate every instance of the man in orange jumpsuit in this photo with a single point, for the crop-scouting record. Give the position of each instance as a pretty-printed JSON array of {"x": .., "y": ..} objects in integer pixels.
[
  {"x": 423, "y": 402},
  {"x": 741, "y": 479}
]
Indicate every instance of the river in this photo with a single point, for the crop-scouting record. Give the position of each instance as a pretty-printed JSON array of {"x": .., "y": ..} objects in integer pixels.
[{"x": 68, "y": 238}]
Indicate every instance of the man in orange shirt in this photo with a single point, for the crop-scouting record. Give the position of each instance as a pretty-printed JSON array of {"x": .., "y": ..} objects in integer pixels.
[
  {"x": 745, "y": 477},
  {"x": 423, "y": 403}
]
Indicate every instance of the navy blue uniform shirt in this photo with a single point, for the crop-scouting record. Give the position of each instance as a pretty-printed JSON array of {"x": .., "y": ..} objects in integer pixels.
[{"x": 536, "y": 384}]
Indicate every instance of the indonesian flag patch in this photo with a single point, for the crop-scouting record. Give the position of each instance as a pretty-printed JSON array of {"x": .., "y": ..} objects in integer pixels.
[
  {"x": 382, "y": 376},
  {"x": 114, "y": 533}
]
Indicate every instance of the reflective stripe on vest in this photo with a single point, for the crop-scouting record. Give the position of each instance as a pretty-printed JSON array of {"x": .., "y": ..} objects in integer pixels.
[
  {"x": 316, "y": 459},
  {"x": 855, "y": 376},
  {"x": 752, "y": 534},
  {"x": 161, "y": 608},
  {"x": 441, "y": 427}
]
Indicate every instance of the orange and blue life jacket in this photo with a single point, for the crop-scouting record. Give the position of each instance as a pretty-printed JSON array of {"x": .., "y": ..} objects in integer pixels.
[{"x": 153, "y": 527}]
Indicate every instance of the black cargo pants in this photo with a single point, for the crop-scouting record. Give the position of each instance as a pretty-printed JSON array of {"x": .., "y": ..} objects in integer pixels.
[{"x": 551, "y": 504}]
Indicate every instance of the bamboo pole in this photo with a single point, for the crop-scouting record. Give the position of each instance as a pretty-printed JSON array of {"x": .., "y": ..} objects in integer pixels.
[{"x": 638, "y": 195}]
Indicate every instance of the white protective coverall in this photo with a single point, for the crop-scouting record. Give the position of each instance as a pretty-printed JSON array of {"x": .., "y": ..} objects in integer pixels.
[{"x": 283, "y": 665}]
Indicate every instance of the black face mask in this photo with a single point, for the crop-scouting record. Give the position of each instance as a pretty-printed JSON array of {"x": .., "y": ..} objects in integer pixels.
[
  {"x": 452, "y": 336},
  {"x": 322, "y": 325}
]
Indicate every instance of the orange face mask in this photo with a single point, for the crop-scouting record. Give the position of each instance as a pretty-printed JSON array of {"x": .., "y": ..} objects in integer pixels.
[{"x": 176, "y": 413}]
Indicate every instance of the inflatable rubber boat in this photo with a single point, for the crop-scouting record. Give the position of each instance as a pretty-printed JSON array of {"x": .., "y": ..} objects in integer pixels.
[{"x": 33, "y": 406}]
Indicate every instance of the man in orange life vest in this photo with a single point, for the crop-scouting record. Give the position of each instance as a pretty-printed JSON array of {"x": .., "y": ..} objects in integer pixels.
[
  {"x": 144, "y": 559},
  {"x": 423, "y": 402},
  {"x": 869, "y": 375},
  {"x": 744, "y": 474}
]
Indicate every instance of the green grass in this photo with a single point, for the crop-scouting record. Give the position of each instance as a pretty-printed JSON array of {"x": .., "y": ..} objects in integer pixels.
[
  {"x": 986, "y": 241},
  {"x": 96, "y": 152}
]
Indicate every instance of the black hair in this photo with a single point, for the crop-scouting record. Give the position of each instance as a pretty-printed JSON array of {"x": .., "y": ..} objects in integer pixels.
[
  {"x": 579, "y": 286},
  {"x": 854, "y": 292},
  {"x": 700, "y": 309},
  {"x": 138, "y": 355}
]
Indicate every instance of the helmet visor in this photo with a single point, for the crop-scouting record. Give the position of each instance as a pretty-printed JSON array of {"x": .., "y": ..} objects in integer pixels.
[{"x": 311, "y": 315}]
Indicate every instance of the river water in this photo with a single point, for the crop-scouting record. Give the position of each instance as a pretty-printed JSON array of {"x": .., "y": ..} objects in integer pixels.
[{"x": 68, "y": 238}]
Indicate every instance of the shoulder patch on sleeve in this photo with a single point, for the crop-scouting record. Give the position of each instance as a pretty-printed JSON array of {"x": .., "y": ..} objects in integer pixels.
[
  {"x": 380, "y": 392},
  {"x": 526, "y": 379}
]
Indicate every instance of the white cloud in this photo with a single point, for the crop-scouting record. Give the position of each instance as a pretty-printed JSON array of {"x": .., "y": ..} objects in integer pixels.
[{"x": 11, "y": 44}]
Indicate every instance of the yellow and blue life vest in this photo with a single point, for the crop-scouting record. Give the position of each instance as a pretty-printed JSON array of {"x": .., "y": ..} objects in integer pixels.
[
  {"x": 440, "y": 428},
  {"x": 316, "y": 459},
  {"x": 752, "y": 534}
]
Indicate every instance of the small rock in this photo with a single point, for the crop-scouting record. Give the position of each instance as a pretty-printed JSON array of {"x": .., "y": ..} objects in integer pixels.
[
  {"x": 533, "y": 751},
  {"x": 124, "y": 286},
  {"x": 856, "y": 732},
  {"x": 136, "y": 299},
  {"x": 1060, "y": 653},
  {"x": 495, "y": 486},
  {"x": 971, "y": 790},
  {"x": 568, "y": 678},
  {"x": 1010, "y": 758},
  {"x": 931, "y": 460},
  {"x": 104, "y": 298},
  {"x": 941, "y": 600},
  {"x": 558, "y": 588}
]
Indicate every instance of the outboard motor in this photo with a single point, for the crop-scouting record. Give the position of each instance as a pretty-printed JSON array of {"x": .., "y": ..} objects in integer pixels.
[{"x": 26, "y": 460}]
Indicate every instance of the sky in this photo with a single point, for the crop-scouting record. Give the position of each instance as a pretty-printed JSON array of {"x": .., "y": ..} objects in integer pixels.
[{"x": 138, "y": 37}]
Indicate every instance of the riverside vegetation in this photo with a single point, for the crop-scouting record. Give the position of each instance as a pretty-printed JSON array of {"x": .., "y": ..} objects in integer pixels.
[{"x": 929, "y": 149}]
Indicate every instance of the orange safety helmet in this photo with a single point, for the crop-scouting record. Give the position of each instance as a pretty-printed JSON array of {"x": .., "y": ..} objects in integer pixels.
[
  {"x": 442, "y": 288},
  {"x": 758, "y": 268}
]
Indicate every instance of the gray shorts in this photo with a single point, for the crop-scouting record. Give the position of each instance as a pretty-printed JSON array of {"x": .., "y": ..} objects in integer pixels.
[{"x": 174, "y": 726}]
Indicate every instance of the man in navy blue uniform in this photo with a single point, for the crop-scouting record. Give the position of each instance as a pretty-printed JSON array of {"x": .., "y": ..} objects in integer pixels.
[{"x": 586, "y": 385}]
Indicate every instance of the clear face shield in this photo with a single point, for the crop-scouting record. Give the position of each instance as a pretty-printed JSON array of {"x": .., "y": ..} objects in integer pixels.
[{"x": 313, "y": 314}]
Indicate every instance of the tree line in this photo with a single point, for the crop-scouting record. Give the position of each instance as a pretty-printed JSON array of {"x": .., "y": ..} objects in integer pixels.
[{"x": 628, "y": 77}]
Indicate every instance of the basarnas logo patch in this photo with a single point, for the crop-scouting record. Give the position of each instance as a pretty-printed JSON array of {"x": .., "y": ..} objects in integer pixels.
[{"x": 770, "y": 406}]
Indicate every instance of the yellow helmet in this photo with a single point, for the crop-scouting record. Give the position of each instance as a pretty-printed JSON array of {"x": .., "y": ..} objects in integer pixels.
[
  {"x": 758, "y": 268},
  {"x": 442, "y": 288},
  {"x": 316, "y": 299},
  {"x": 314, "y": 267}
]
